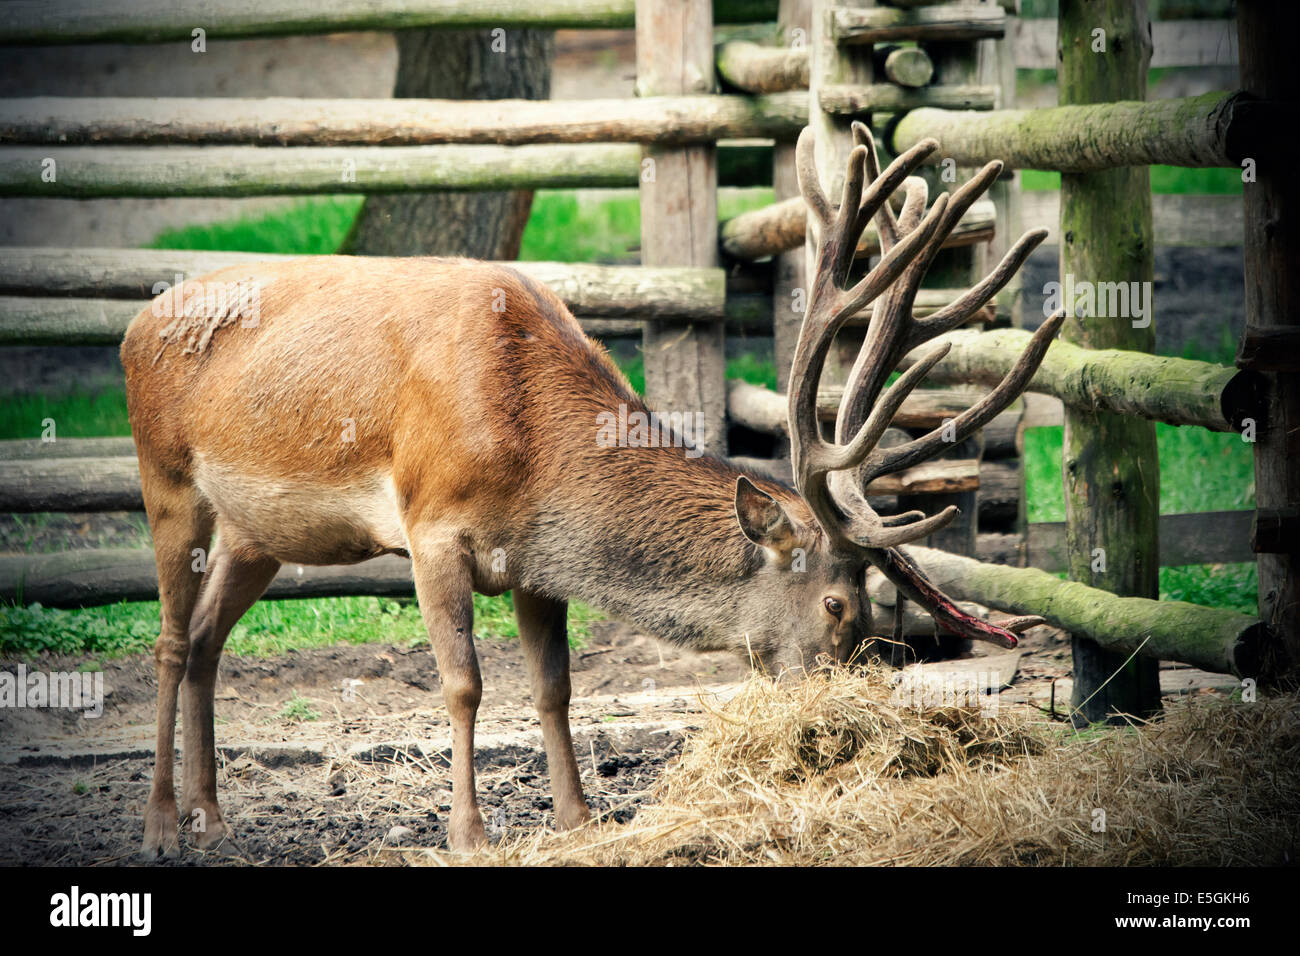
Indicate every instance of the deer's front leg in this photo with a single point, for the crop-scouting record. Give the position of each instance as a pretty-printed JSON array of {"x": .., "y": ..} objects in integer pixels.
[
  {"x": 443, "y": 585},
  {"x": 544, "y": 636}
]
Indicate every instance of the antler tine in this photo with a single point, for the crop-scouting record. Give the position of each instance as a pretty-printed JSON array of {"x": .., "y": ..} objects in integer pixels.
[
  {"x": 975, "y": 417},
  {"x": 886, "y": 222},
  {"x": 890, "y": 336},
  {"x": 902, "y": 255},
  {"x": 958, "y": 311},
  {"x": 844, "y": 234},
  {"x": 810, "y": 186}
]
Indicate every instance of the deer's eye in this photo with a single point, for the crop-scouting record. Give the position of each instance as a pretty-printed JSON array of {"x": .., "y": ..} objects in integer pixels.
[{"x": 834, "y": 605}]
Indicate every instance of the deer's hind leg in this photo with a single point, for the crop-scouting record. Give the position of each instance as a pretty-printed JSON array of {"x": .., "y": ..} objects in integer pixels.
[
  {"x": 181, "y": 523},
  {"x": 236, "y": 577}
]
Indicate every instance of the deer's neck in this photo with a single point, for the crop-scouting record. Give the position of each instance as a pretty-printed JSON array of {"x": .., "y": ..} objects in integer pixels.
[{"x": 648, "y": 535}]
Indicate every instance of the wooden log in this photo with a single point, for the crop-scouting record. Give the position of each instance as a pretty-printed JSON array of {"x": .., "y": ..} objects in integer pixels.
[
  {"x": 94, "y": 577},
  {"x": 858, "y": 101},
  {"x": 764, "y": 410},
  {"x": 141, "y": 273},
  {"x": 763, "y": 69},
  {"x": 52, "y": 321},
  {"x": 1110, "y": 463},
  {"x": 685, "y": 366},
  {"x": 70, "y": 484},
  {"x": 1171, "y": 390},
  {"x": 29, "y": 449},
  {"x": 83, "y": 172},
  {"x": 908, "y": 66},
  {"x": 1272, "y": 207},
  {"x": 1199, "y": 131},
  {"x": 160, "y": 21},
  {"x": 948, "y": 21},
  {"x": 783, "y": 225},
  {"x": 57, "y": 321},
  {"x": 1221, "y": 641},
  {"x": 113, "y": 484},
  {"x": 283, "y": 121}
]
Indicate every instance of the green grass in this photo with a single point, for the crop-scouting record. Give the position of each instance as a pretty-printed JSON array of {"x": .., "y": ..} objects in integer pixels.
[
  {"x": 308, "y": 227},
  {"x": 1200, "y": 470},
  {"x": 1164, "y": 180},
  {"x": 269, "y": 628},
  {"x": 77, "y": 415}
]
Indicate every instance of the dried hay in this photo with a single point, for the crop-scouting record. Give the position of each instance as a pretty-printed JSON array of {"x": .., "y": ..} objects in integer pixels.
[{"x": 836, "y": 770}]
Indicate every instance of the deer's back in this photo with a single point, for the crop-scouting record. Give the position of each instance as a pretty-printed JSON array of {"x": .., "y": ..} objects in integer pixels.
[{"x": 428, "y": 384}]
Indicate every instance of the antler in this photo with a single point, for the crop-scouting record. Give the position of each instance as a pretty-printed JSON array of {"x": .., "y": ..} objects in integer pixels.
[{"x": 831, "y": 475}]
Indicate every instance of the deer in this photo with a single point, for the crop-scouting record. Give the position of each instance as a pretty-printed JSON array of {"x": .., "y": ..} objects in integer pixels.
[{"x": 445, "y": 410}]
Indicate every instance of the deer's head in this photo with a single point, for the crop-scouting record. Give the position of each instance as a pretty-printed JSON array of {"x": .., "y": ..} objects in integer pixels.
[{"x": 816, "y": 550}]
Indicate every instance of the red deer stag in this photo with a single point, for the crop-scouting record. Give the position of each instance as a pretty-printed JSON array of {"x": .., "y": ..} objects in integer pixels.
[{"x": 447, "y": 410}]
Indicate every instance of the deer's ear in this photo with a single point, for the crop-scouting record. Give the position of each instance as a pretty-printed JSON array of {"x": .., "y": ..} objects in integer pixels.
[{"x": 762, "y": 518}]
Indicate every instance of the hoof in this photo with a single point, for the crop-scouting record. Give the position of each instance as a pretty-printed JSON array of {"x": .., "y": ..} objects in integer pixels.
[{"x": 160, "y": 839}]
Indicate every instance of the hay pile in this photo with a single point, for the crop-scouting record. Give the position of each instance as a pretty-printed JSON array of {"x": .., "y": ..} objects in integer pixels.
[{"x": 834, "y": 770}]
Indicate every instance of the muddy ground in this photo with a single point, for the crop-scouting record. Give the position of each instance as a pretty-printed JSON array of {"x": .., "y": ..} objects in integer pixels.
[{"x": 337, "y": 776}]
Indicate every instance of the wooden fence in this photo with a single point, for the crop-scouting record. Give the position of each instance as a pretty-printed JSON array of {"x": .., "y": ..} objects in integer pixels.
[{"x": 914, "y": 70}]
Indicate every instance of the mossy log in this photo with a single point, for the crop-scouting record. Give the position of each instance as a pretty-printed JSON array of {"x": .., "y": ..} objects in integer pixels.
[
  {"x": 1199, "y": 131},
  {"x": 1212, "y": 639},
  {"x": 783, "y": 225},
  {"x": 764, "y": 410},
  {"x": 281, "y": 121},
  {"x": 1172, "y": 390}
]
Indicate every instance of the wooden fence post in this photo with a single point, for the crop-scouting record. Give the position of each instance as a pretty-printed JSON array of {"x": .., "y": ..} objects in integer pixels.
[
  {"x": 685, "y": 366},
  {"x": 1266, "y": 35},
  {"x": 1110, "y": 466},
  {"x": 788, "y": 268}
]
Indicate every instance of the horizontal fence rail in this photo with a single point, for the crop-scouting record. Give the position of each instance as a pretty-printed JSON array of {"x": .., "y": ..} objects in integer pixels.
[
  {"x": 1172, "y": 390},
  {"x": 640, "y": 291},
  {"x": 156, "y": 21},
  {"x": 86, "y": 172},
  {"x": 1197, "y": 131},
  {"x": 280, "y": 121}
]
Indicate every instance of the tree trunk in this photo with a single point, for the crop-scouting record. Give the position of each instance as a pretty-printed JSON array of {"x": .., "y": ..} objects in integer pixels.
[{"x": 468, "y": 65}]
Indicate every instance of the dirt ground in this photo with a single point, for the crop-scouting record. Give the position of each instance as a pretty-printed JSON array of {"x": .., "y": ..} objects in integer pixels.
[{"x": 372, "y": 768}]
